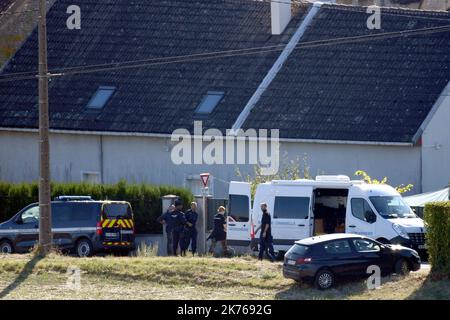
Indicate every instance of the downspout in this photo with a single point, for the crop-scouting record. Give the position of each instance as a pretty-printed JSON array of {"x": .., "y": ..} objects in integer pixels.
[
  {"x": 276, "y": 67},
  {"x": 102, "y": 180}
]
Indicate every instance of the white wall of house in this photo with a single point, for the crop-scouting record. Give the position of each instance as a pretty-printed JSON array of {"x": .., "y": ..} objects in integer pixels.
[
  {"x": 75, "y": 157},
  {"x": 436, "y": 147}
]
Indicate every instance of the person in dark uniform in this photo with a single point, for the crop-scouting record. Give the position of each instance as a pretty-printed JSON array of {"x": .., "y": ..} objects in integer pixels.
[
  {"x": 167, "y": 221},
  {"x": 219, "y": 233},
  {"x": 179, "y": 222},
  {"x": 191, "y": 230},
  {"x": 265, "y": 237}
]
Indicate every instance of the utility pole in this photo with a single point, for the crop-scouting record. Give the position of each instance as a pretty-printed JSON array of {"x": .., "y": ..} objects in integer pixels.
[{"x": 45, "y": 220}]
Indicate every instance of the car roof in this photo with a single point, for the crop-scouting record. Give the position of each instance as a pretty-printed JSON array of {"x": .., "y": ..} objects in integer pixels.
[{"x": 327, "y": 237}]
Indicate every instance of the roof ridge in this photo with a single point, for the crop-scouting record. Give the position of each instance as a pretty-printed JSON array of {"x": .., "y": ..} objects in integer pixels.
[{"x": 400, "y": 9}]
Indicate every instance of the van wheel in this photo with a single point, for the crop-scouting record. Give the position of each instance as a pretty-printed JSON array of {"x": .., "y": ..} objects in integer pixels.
[
  {"x": 6, "y": 247},
  {"x": 324, "y": 279},
  {"x": 402, "y": 267},
  {"x": 84, "y": 248}
]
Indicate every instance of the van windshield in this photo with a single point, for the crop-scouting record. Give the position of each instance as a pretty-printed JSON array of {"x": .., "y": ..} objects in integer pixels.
[
  {"x": 392, "y": 207},
  {"x": 117, "y": 210}
]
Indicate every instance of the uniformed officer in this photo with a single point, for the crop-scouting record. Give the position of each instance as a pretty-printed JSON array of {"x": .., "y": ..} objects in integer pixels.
[
  {"x": 265, "y": 237},
  {"x": 179, "y": 222},
  {"x": 167, "y": 221},
  {"x": 191, "y": 230},
  {"x": 219, "y": 233}
]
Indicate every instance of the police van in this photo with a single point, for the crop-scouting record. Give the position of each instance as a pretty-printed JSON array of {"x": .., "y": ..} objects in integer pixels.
[
  {"x": 329, "y": 204},
  {"x": 79, "y": 224}
]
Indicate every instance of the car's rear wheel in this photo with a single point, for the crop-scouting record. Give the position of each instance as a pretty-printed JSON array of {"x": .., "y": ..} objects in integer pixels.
[
  {"x": 402, "y": 267},
  {"x": 84, "y": 248},
  {"x": 324, "y": 279},
  {"x": 6, "y": 247}
]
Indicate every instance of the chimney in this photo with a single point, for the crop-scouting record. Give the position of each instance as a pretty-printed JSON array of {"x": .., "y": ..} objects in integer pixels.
[{"x": 280, "y": 15}]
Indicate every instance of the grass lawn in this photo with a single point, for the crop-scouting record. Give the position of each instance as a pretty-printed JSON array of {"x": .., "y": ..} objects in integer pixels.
[{"x": 27, "y": 277}]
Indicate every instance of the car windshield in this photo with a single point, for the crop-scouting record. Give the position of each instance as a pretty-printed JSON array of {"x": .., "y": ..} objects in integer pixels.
[{"x": 392, "y": 207}]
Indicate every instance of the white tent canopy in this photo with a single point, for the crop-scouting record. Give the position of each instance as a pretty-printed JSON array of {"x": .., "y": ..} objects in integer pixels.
[{"x": 419, "y": 200}]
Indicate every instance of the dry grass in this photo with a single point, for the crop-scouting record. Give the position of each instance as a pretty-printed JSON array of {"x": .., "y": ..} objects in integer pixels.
[{"x": 25, "y": 277}]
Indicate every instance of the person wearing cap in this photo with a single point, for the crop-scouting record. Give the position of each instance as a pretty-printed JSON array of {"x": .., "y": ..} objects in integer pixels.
[
  {"x": 265, "y": 237},
  {"x": 166, "y": 220},
  {"x": 191, "y": 230},
  {"x": 219, "y": 233}
]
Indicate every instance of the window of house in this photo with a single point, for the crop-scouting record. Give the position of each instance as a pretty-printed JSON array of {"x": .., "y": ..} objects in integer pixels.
[
  {"x": 291, "y": 208},
  {"x": 101, "y": 97},
  {"x": 90, "y": 177},
  {"x": 209, "y": 102}
]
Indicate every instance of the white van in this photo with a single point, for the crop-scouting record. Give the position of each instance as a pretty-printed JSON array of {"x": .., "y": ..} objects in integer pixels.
[{"x": 328, "y": 204}]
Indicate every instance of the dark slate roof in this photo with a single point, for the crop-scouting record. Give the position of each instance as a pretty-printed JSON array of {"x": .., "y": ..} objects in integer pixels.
[
  {"x": 373, "y": 91},
  {"x": 370, "y": 91},
  {"x": 151, "y": 99}
]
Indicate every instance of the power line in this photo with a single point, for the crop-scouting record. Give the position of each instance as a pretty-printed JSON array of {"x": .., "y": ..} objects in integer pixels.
[{"x": 224, "y": 54}]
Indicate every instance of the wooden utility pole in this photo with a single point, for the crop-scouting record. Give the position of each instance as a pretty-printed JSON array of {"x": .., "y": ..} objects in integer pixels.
[{"x": 45, "y": 220}]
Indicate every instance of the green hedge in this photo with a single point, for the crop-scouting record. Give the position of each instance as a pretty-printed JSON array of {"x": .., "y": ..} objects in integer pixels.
[
  {"x": 437, "y": 219},
  {"x": 144, "y": 198}
]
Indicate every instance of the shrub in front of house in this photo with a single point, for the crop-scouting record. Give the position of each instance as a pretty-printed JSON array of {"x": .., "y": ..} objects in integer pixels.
[
  {"x": 144, "y": 198},
  {"x": 437, "y": 219}
]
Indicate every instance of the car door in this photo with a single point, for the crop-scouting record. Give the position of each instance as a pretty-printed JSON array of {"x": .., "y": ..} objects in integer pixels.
[
  {"x": 27, "y": 226},
  {"x": 238, "y": 218},
  {"x": 63, "y": 217},
  {"x": 342, "y": 259},
  {"x": 360, "y": 217},
  {"x": 370, "y": 252},
  {"x": 291, "y": 214}
]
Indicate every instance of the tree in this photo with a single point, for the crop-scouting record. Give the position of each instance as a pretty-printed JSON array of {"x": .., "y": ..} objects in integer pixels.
[
  {"x": 401, "y": 188},
  {"x": 289, "y": 170}
]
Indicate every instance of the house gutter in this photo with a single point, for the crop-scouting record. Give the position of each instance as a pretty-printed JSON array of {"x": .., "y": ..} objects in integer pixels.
[
  {"x": 227, "y": 137},
  {"x": 276, "y": 67}
]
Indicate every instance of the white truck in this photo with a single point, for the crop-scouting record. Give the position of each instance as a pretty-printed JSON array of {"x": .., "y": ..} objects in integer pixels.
[{"x": 329, "y": 204}]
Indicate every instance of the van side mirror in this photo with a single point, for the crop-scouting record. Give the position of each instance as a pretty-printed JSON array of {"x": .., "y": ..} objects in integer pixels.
[{"x": 19, "y": 220}]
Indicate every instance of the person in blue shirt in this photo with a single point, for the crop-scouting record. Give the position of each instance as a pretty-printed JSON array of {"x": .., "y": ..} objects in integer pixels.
[
  {"x": 191, "y": 229},
  {"x": 175, "y": 222},
  {"x": 265, "y": 237},
  {"x": 167, "y": 221},
  {"x": 178, "y": 219}
]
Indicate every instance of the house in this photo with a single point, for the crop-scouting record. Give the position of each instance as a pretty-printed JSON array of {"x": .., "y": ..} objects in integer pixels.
[{"x": 380, "y": 104}]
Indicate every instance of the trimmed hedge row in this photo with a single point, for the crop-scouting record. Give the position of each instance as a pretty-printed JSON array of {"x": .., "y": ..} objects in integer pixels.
[
  {"x": 144, "y": 198},
  {"x": 437, "y": 219}
]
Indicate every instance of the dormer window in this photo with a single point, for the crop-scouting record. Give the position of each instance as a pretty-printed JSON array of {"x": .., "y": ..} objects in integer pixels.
[
  {"x": 101, "y": 97},
  {"x": 209, "y": 102}
]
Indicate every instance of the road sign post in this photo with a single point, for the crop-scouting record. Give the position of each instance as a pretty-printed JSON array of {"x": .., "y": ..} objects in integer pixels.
[{"x": 205, "y": 193}]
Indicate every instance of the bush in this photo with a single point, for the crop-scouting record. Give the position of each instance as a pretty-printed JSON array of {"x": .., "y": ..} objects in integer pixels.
[
  {"x": 144, "y": 198},
  {"x": 437, "y": 219}
]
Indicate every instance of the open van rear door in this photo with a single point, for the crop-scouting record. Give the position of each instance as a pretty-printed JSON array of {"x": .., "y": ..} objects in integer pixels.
[
  {"x": 239, "y": 211},
  {"x": 291, "y": 218}
]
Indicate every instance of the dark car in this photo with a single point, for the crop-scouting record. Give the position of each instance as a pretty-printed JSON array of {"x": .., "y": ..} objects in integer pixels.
[
  {"x": 79, "y": 224},
  {"x": 322, "y": 259}
]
